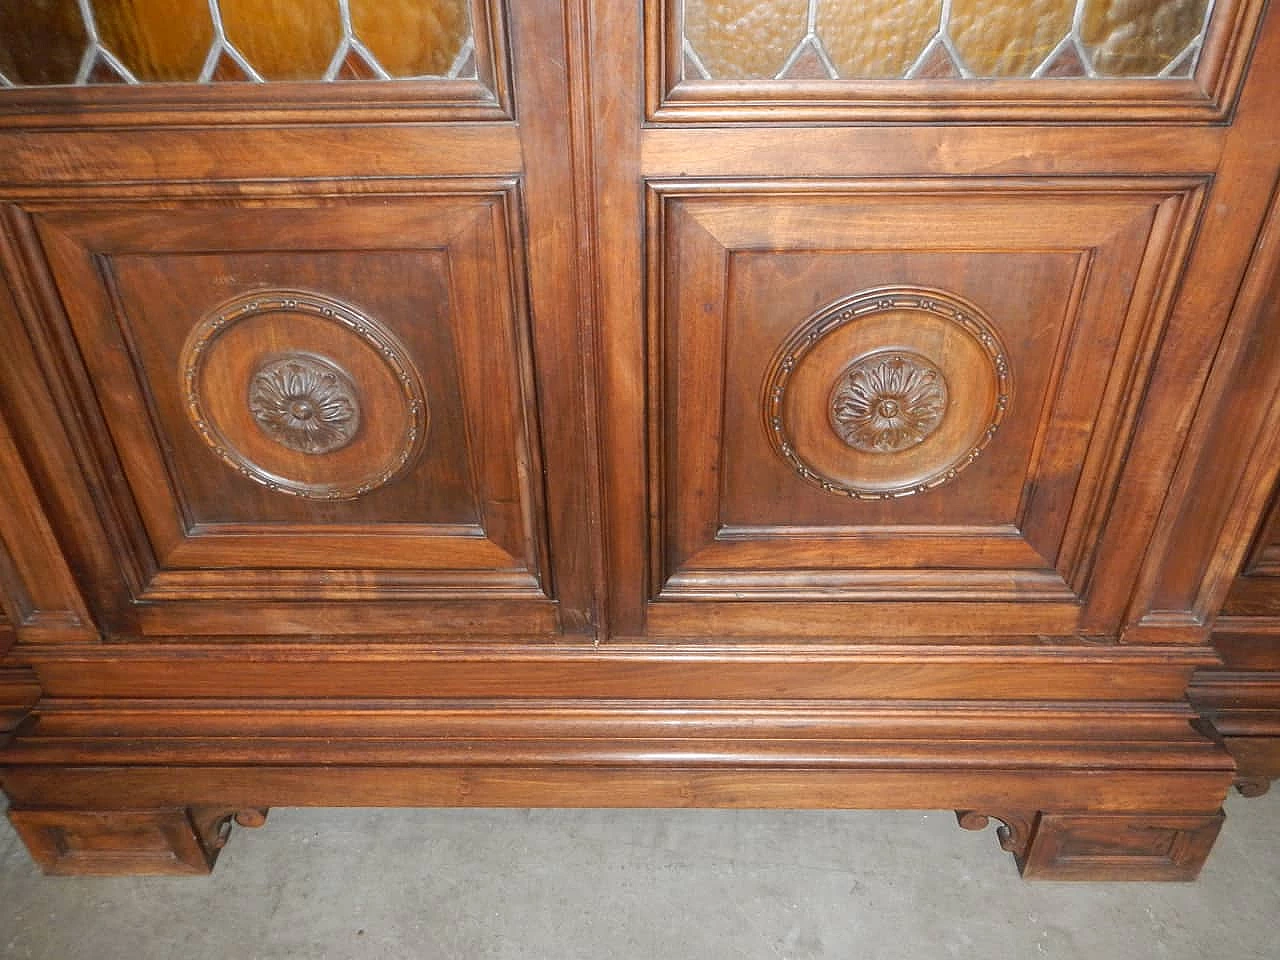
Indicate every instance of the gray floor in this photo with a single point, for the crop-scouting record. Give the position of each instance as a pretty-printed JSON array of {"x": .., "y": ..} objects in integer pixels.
[{"x": 651, "y": 885}]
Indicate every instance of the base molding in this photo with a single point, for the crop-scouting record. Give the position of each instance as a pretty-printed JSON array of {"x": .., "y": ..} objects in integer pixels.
[
  {"x": 1241, "y": 709},
  {"x": 19, "y": 692},
  {"x": 1085, "y": 791}
]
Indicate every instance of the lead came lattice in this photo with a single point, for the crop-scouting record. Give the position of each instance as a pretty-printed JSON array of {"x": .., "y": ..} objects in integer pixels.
[
  {"x": 89, "y": 42},
  {"x": 736, "y": 40}
]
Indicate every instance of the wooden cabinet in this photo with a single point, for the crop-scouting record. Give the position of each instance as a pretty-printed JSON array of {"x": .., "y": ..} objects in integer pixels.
[
  {"x": 607, "y": 404},
  {"x": 1239, "y": 699}
]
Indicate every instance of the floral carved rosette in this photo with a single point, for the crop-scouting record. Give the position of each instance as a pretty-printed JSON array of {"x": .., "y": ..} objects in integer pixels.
[
  {"x": 888, "y": 401},
  {"x": 258, "y": 393},
  {"x": 911, "y": 385},
  {"x": 305, "y": 403}
]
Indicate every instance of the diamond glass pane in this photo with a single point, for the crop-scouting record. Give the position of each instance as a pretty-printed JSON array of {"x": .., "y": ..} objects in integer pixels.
[
  {"x": 284, "y": 39},
  {"x": 744, "y": 39},
  {"x": 737, "y": 40},
  {"x": 42, "y": 41},
  {"x": 875, "y": 38},
  {"x": 1135, "y": 38},
  {"x": 156, "y": 40},
  {"x": 54, "y": 42},
  {"x": 413, "y": 39}
]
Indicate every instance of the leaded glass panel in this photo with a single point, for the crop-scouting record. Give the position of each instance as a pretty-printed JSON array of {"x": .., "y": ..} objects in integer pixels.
[
  {"x": 50, "y": 42},
  {"x": 740, "y": 40}
]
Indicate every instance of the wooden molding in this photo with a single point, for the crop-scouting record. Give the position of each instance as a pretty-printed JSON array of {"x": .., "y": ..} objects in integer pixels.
[
  {"x": 1241, "y": 707},
  {"x": 118, "y": 779},
  {"x": 937, "y": 668}
]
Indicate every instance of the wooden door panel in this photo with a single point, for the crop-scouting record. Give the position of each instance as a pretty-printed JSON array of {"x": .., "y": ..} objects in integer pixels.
[
  {"x": 327, "y": 397},
  {"x": 1011, "y": 321}
]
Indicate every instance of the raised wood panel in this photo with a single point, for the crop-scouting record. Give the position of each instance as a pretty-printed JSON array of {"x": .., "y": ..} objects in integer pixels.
[
  {"x": 1089, "y": 846},
  {"x": 1225, "y": 556},
  {"x": 762, "y": 297},
  {"x": 165, "y": 842},
  {"x": 1255, "y": 593},
  {"x": 1264, "y": 556},
  {"x": 212, "y": 313}
]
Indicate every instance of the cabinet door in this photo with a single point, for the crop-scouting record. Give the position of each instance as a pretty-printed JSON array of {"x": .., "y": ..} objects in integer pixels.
[
  {"x": 930, "y": 293},
  {"x": 302, "y": 345}
]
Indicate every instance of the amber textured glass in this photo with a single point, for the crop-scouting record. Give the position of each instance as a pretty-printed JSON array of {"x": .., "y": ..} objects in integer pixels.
[
  {"x": 745, "y": 39},
  {"x": 1139, "y": 38},
  {"x": 876, "y": 38},
  {"x": 997, "y": 38},
  {"x": 157, "y": 40},
  {"x": 412, "y": 38},
  {"x": 41, "y": 41},
  {"x": 284, "y": 39},
  {"x": 933, "y": 39}
]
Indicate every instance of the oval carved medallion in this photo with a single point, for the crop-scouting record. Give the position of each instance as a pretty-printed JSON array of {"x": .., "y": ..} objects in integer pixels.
[
  {"x": 887, "y": 393},
  {"x": 304, "y": 394}
]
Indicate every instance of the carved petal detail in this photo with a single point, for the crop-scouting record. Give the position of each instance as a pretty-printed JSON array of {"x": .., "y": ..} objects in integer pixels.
[
  {"x": 305, "y": 402},
  {"x": 888, "y": 401}
]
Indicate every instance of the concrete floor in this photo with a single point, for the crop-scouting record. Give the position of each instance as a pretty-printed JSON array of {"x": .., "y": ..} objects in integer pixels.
[{"x": 651, "y": 885}]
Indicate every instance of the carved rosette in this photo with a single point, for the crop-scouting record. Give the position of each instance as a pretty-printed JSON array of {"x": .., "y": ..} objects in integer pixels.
[
  {"x": 302, "y": 433},
  {"x": 888, "y": 401},
  {"x": 925, "y": 392},
  {"x": 305, "y": 402}
]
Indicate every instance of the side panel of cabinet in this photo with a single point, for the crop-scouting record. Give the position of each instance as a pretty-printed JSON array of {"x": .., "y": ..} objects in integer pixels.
[
  {"x": 38, "y": 593},
  {"x": 1241, "y": 700}
]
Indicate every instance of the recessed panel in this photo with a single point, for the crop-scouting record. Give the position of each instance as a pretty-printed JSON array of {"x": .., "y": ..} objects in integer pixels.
[
  {"x": 361, "y": 349},
  {"x": 934, "y": 317},
  {"x": 314, "y": 400}
]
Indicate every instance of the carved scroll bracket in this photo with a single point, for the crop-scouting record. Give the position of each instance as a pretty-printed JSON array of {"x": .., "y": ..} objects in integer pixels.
[{"x": 1014, "y": 832}]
